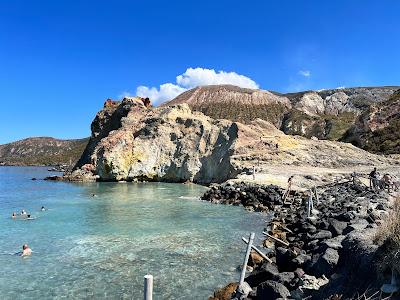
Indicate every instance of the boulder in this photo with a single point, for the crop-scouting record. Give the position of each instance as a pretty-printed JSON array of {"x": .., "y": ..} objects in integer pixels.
[
  {"x": 272, "y": 290},
  {"x": 284, "y": 259},
  {"x": 226, "y": 292},
  {"x": 333, "y": 243},
  {"x": 357, "y": 225},
  {"x": 265, "y": 272},
  {"x": 336, "y": 227},
  {"x": 326, "y": 263},
  {"x": 322, "y": 234}
]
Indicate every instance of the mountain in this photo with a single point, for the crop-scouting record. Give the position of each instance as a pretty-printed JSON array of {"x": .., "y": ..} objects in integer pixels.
[
  {"x": 132, "y": 141},
  {"x": 325, "y": 114},
  {"x": 42, "y": 151},
  {"x": 235, "y": 103},
  {"x": 377, "y": 129}
]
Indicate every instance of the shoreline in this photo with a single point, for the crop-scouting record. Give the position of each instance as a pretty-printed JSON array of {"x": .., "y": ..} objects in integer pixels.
[{"x": 311, "y": 256}]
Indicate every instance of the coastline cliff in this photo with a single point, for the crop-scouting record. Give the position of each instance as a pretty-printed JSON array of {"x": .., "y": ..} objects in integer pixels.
[{"x": 133, "y": 141}]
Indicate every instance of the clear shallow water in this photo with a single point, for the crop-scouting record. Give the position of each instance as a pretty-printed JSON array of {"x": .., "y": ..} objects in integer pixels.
[{"x": 101, "y": 247}]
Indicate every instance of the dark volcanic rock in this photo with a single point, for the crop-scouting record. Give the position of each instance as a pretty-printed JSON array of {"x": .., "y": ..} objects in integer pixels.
[
  {"x": 326, "y": 263},
  {"x": 265, "y": 272},
  {"x": 336, "y": 227},
  {"x": 272, "y": 290}
]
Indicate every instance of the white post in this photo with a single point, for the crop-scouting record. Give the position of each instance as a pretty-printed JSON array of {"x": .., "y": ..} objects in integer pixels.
[
  {"x": 148, "y": 287},
  {"x": 246, "y": 258},
  {"x": 309, "y": 205},
  {"x": 316, "y": 194}
]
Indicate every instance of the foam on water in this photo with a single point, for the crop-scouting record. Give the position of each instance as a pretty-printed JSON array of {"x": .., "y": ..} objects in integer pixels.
[{"x": 101, "y": 247}]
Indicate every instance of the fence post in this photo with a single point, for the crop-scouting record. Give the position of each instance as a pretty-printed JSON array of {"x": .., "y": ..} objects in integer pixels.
[
  {"x": 310, "y": 205},
  {"x": 246, "y": 258},
  {"x": 148, "y": 287}
]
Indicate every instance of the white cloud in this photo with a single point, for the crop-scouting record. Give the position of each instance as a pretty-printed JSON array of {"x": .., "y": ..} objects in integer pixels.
[
  {"x": 194, "y": 77},
  {"x": 199, "y": 76},
  {"x": 167, "y": 91},
  {"x": 305, "y": 73}
]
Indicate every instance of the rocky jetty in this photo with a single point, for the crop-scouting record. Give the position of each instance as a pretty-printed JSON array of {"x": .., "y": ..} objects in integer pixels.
[{"x": 329, "y": 252}]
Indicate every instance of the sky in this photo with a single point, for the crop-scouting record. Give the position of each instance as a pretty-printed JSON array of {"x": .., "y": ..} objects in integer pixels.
[{"x": 60, "y": 60}]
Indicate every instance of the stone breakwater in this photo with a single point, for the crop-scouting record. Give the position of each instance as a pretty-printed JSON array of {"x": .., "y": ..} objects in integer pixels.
[{"x": 328, "y": 253}]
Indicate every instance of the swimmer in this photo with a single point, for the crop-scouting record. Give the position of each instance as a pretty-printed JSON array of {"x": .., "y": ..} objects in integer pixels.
[
  {"x": 43, "y": 208},
  {"x": 23, "y": 212},
  {"x": 26, "y": 251},
  {"x": 93, "y": 195},
  {"x": 14, "y": 215},
  {"x": 29, "y": 217}
]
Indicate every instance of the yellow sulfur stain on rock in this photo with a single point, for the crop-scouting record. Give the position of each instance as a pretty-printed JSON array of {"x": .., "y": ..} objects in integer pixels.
[{"x": 286, "y": 142}]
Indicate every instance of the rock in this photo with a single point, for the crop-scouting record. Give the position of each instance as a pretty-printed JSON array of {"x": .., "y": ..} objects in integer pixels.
[
  {"x": 313, "y": 283},
  {"x": 334, "y": 243},
  {"x": 272, "y": 290},
  {"x": 265, "y": 272},
  {"x": 346, "y": 216},
  {"x": 322, "y": 234},
  {"x": 326, "y": 263},
  {"x": 336, "y": 227},
  {"x": 285, "y": 278},
  {"x": 255, "y": 258},
  {"x": 242, "y": 291},
  {"x": 358, "y": 225},
  {"x": 284, "y": 259},
  {"x": 226, "y": 292},
  {"x": 301, "y": 260}
]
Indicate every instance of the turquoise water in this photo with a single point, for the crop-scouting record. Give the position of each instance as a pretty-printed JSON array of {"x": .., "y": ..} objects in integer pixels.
[{"x": 100, "y": 247}]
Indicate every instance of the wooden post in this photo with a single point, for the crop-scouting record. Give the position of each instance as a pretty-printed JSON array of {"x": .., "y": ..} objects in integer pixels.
[
  {"x": 148, "y": 287},
  {"x": 246, "y": 258},
  {"x": 276, "y": 239},
  {"x": 254, "y": 173},
  {"x": 258, "y": 251}
]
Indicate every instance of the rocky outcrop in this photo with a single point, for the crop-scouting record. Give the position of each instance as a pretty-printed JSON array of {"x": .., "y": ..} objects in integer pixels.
[
  {"x": 325, "y": 114},
  {"x": 377, "y": 128},
  {"x": 131, "y": 141},
  {"x": 134, "y": 142}
]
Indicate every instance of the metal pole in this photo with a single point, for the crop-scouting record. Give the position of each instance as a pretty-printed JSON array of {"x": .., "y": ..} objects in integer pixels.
[
  {"x": 246, "y": 258},
  {"x": 316, "y": 194},
  {"x": 148, "y": 287}
]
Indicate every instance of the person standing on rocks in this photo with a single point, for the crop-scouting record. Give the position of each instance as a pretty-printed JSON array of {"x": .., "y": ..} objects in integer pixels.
[
  {"x": 289, "y": 188},
  {"x": 373, "y": 179}
]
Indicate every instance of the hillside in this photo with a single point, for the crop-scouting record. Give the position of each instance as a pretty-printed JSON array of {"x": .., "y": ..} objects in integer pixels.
[
  {"x": 325, "y": 114},
  {"x": 378, "y": 128},
  {"x": 42, "y": 151}
]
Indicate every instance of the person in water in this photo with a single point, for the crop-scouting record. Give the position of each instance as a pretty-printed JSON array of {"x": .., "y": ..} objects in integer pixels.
[
  {"x": 14, "y": 215},
  {"x": 23, "y": 212},
  {"x": 26, "y": 251},
  {"x": 43, "y": 208}
]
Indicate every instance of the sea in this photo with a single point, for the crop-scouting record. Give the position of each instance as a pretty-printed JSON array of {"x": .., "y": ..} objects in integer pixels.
[{"x": 99, "y": 240}]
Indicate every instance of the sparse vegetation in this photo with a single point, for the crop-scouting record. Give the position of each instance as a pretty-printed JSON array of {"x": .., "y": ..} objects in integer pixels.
[
  {"x": 388, "y": 237},
  {"x": 42, "y": 151}
]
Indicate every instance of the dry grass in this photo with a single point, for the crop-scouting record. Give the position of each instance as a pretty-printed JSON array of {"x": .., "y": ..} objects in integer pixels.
[{"x": 388, "y": 238}]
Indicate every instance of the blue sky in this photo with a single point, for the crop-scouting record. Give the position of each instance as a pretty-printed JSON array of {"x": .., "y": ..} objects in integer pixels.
[{"x": 59, "y": 60}]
